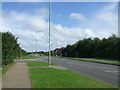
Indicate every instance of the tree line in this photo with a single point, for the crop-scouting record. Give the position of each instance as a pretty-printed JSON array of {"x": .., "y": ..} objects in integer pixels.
[
  {"x": 94, "y": 48},
  {"x": 10, "y": 48}
]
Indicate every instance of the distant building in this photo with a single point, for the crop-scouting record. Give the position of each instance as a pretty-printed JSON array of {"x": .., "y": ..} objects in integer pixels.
[{"x": 57, "y": 52}]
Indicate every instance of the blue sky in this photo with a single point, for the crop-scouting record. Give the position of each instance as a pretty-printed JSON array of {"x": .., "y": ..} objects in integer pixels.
[
  {"x": 63, "y": 10},
  {"x": 60, "y": 11},
  {"x": 24, "y": 7},
  {"x": 70, "y": 22}
]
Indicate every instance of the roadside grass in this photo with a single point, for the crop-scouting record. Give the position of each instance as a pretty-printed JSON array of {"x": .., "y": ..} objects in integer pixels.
[
  {"x": 0, "y": 72},
  {"x": 31, "y": 64},
  {"x": 108, "y": 59},
  {"x": 28, "y": 57},
  {"x": 53, "y": 78},
  {"x": 90, "y": 60},
  {"x": 98, "y": 61},
  {"x": 7, "y": 67}
]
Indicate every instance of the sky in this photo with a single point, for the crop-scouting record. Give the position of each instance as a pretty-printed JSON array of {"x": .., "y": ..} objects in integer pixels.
[{"x": 70, "y": 22}]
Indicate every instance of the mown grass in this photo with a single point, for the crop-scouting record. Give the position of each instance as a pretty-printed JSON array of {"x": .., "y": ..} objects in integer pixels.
[
  {"x": 90, "y": 60},
  {"x": 7, "y": 67},
  {"x": 108, "y": 59},
  {"x": 0, "y": 72},
  {"x": 28, "y": 57},
  {"x": 98, "y": 61},
  {"x": 52, "y": 78},
  {"x": 31, "y": 64}
]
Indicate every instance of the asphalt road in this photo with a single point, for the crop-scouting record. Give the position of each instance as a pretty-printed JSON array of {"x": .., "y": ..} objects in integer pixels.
[{"x": 102, "y": 72}]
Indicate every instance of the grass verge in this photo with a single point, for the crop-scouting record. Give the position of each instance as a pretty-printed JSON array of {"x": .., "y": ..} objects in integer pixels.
[
  {"x": 28, "y": 57},
  {"x": 98, "y": 61},
  {"x": 31, "y": 64},
  {"x": 90, "y": 60},
  {"x": 53, "y": 78}
]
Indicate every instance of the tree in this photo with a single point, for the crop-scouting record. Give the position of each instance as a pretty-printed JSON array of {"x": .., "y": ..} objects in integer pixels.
[
  {"x": 94, "y": 48},
  {"x": 10, "y": 48}
]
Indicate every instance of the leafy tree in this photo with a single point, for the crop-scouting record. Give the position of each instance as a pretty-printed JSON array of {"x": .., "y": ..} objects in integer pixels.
[
  {"x": 10, "y": 48},
  {"x": 94, "y": 48}
]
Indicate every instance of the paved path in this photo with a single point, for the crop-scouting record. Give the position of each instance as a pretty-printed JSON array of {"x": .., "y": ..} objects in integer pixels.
[{"x": 17, "y": 77}]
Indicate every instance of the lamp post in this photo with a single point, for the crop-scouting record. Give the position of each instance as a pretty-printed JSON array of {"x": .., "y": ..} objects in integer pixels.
[
  {"x": 49, "y": 59},
  {"x": 36, "y": 43}
]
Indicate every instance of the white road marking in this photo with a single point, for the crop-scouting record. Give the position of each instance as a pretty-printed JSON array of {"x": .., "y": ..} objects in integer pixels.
[
  {"x": 70, "y": 62},
  {"x": 112, "y": 71},
  {"x": 62, "y": 59}
]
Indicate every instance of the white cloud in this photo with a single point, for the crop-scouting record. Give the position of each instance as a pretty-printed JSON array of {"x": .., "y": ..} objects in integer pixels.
[
  {"x": 107, "y": 20},
  {"x": 90, "y": 33},
  {"x": 61, "y": 36},
  {"x": 107, "y": 16},
  {"x": 103, "y": 22},
  {"x": 36, "y": 23},
  {"x": 43, "y": 12},
  {"x": 25, "y": 25},
  {"x": 108, "y": 13},
  {"x": 77, "y": 16}
]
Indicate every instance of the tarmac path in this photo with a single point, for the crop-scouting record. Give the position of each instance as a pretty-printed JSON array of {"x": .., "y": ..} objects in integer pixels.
[{"x": 16, "y": 77}]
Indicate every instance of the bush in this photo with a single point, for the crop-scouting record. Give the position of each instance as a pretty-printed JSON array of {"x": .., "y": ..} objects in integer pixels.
[{"x": 10, "y": 48}]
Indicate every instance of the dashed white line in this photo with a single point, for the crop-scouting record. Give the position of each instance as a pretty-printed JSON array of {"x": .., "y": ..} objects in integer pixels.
[
  {"x": 112, "y": 71},
  {"x": 70, "y": 62}
]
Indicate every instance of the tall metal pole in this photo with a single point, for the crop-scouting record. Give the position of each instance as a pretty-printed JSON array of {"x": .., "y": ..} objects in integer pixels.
[
  {"x": 36, "y": 43},
  {"x": 49, "y": 60}
]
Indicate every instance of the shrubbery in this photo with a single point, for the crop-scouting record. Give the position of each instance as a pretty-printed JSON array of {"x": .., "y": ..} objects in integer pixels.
[
  {"x": 10, "y": 48},
  {"x": 94, "y": 48}
]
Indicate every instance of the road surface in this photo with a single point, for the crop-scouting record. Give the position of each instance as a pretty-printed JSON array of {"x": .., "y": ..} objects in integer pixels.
[{"x": 103, "y": 72}]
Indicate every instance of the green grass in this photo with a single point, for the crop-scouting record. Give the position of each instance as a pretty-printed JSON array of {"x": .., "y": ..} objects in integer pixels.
[
  {"x": 108, "y": 59},
  {"x": 98, "y": 61},
  {"x": 0, "y": 72},
  {"x": 7, "y": 67},
  {"x": 90, "y": 60},
  {"x": 31, "y": 64},
  {"x": 52, "y": 78},
  {"x": 28, "y": 57}
]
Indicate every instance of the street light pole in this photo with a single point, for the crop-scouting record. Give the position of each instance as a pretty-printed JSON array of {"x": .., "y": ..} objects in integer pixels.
[
  {"x": 49, "y": 60},
  {"x": 36, "y": 43}
]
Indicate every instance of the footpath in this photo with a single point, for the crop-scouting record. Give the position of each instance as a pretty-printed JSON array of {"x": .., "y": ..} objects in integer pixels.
[{"x": 16, "y": 77}]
